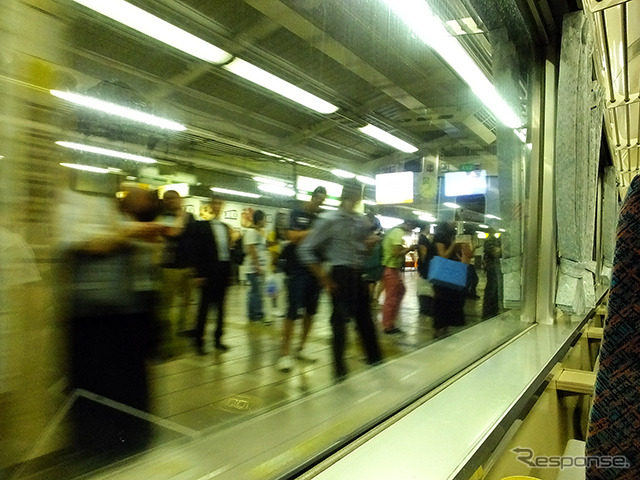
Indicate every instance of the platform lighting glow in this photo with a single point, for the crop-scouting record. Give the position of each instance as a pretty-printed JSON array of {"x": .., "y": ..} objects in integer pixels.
[
  {"x": 228, "y": 191},
  {"x": 118, "y": 110},
  {"x": 521, "y": 134},
  {"x": 281, "y": 87},
  {"x": 501, "y": 230},
  {"x": 384, "y": 137},
  {"x": 270, "y": 181},
  {"x": 304, "y": 164},
  {"x": 451, "y": 205},
  {"x": 277, "y": 190},
  {"x": 342, "y": 173},
  {"x": 427, "y": 218},
  {"x": 389, "y": 222},
  {"x": 106, "y": 152},
  {"x": 488, "y": 215},
  {"x": 483, "y": 226},
  {"x": 426, "y": 26},
  {"x": 86, "y": 168},
  {"x": 366, "y": 180},
  {"x": 482, "y": 235},
  {"x": 150, "y": 25}
]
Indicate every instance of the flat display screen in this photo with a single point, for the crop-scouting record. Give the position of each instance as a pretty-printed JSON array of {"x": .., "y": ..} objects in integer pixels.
[
  {"x": 457, "y": 184},
  {"x": 394, "y": 187}
]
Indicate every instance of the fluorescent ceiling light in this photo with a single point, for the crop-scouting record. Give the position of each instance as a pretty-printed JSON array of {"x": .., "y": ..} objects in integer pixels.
[
  {"x": 427, "y": 218},
  {"x": 422, "y": 21},
  {"x": 342, "y": 173},
  {"x": 305, "y": 197},
  {"x": 387, "y": 138},
  {"x": 150, "y": 25},
  {"x": 270, "y": 154},
  {"x": 451, "y": 205},
  {"x": 483, "y": 226},
  {"x": 281, "y": 87},
  {"x": 305, "y": 164},
  {"x": 86, "y": 168},
  {"x": 119, "y": 110},
  {"x": 366, "y": 180},
  {"x": 234, "y": 192},
  {"x": 501, "y": 230},
  {"x": 270, "y": 181},
  {"x": 277, "y": 190},
  {"x": 106, "y": 152},
  {"x": 488, "y": 215}
]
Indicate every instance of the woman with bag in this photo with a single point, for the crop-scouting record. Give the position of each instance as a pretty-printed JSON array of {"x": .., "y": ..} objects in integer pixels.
[{"x": 448, "y": 303}]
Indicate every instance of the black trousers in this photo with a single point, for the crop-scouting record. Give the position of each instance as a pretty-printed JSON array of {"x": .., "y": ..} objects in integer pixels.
[
  {"x": 351, "y": 299},
  {"x": 213, "y": 292}
]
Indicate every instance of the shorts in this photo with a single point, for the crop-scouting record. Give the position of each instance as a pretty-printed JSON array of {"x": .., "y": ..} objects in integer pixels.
[{"x": 304, "y": 292}]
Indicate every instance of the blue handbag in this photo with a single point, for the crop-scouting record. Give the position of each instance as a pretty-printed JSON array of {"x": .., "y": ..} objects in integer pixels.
[{"x": 448, "y": 273}]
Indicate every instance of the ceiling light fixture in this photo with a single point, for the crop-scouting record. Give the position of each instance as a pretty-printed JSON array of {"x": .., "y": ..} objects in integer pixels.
[
  {"x": 228, "y": 191},
  {"x": 270, "y": 154},
  {"x": 270, "y": 181},
  {"x": 281, "y": 87},
  {"x": 366, "y": 180},
  {"x": 387, "y": 138},
  {"x": 150, "y": 25},
  {"x": 277, "y": 190},
  {"x": 119, "y": 110},
  {"x": 86, "y": 168},
  {"x": 106, "y": 152},
  {"x": 423, "y": 22},
  {"x": 342, "y": 173}
]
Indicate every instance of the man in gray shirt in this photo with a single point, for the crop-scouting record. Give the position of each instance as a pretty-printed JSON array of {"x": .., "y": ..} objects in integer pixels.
[{"x": 341, "y": 239}]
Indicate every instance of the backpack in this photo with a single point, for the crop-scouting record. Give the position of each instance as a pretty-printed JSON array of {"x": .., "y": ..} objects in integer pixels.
[{"x": 237, "y": 253}]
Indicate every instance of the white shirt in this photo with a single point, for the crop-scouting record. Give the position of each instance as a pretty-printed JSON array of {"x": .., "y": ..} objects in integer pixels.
[
  {"x": 221, "y": 234},
  {"x": 253, "y": 237}
]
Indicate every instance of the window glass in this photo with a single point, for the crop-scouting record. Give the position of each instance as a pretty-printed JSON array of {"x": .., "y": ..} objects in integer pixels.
[{"x": 247, "y": 100}]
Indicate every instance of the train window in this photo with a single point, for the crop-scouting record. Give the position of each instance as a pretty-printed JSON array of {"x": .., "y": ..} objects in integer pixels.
[{"x": 125, "y": 322}]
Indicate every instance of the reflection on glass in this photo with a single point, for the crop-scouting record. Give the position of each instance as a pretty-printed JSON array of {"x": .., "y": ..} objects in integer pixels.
[{"x": 377, "y": 72}]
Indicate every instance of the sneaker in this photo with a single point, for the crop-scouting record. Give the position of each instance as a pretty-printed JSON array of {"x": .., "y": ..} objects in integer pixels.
[
  {"x": 301, "y": 356},
  {"x": 285, "y": 363}
]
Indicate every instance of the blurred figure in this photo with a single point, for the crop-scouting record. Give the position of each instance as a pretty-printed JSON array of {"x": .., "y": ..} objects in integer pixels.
[
  {"x": 277, "y": 240},
  {"x": 342, "y": 239},
  {"x": 256, "y": 264},
  {"x": 115, "y": 273},
  {"x": 393, "y": 259},
  {"x": 426, "y": 251},
  {"x": 491, "y": 262},
  {"x": 302, "y": 285},
  {"x": 177, "y": 269},
  {"x": 373, "y": 267},
  {"x": 448, "y": 304},
  {"x": 213, "y": 242}
]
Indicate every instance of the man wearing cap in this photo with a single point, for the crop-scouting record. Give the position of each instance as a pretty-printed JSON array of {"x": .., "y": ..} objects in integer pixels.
[
  {"x": 393, "y": 254},
  {"x": 303, "y": 288},
  {"x": 341, "y": 239}
]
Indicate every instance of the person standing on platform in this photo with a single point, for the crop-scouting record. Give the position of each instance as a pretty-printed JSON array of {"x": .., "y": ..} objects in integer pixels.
[
  {"x": 303, "y": 287},
  {"x": 448, "y": 304},
  {"x": 177, "y": 269},
  {"x": 256, "y": 264},
  {"x": 393, "y": 255},
  {"x": 342, "y": 238},
  {"x": 213, "y": 266},
  {"x": 426, "y": 251},
  {"x": 491, "y": 262}
]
